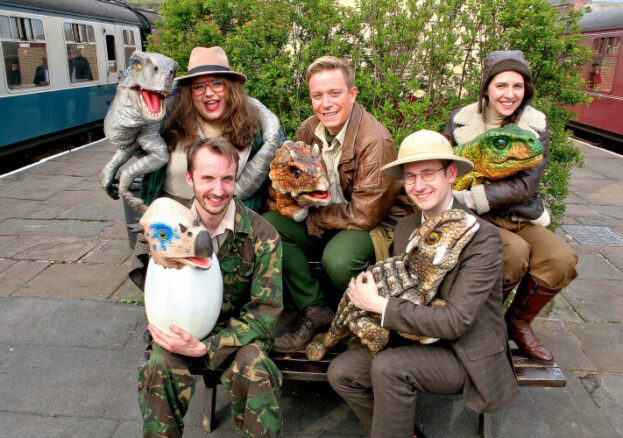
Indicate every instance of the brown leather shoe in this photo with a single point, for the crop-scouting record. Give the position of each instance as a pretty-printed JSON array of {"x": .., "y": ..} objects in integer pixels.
[
  {"x": 312, "y": 319},
  {"x": 521, "y": 332}
]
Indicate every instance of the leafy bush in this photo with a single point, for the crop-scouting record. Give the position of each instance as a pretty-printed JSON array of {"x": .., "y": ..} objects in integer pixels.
[{"x": 415, "y": 60}]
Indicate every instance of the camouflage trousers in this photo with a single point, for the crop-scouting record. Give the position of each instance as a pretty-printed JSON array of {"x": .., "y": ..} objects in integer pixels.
[{"x": 165, "y": 387}]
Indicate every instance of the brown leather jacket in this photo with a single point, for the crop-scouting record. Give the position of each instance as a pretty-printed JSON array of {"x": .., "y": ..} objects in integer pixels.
[{"x": 369, "y": 193}]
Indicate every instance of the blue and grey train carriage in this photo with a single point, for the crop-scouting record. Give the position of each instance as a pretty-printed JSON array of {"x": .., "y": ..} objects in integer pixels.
[{"x": 61, "y": 61}]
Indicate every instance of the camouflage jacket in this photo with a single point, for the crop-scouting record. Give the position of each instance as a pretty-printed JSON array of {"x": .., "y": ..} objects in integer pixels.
[{"x": 250, "y": 261}]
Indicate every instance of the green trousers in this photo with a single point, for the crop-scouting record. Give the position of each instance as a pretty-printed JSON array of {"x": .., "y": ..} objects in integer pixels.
[
  {"x": 343, "y": 254},
  {"x": 165, "y": 387}
]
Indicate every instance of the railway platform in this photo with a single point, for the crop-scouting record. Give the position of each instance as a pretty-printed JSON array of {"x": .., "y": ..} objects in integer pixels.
[{"x": 70, "y": 333}]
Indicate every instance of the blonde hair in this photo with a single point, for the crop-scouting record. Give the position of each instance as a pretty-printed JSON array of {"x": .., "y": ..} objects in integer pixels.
[{"x": 332, "y": 63}]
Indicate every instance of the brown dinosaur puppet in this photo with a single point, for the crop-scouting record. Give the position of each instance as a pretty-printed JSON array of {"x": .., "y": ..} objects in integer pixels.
[
  {"x": 433, "y": 250},
  {"x": 299, "y": 180}
]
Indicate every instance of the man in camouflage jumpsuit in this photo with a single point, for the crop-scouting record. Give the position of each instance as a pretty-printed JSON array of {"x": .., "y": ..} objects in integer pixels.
[{"x": 249, "y": 252}]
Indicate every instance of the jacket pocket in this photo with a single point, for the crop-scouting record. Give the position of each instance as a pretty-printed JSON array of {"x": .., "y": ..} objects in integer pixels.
[{"x": 483, "y": 350}]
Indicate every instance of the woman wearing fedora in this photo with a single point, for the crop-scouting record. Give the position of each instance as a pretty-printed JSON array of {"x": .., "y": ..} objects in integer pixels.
[
  {"x": 536, "y": 259},
  {"x": 211, "y": 103}
]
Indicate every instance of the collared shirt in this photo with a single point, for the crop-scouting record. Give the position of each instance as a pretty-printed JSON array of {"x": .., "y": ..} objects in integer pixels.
[
  {"x": 422, "y": 221},
  {"x": 331, "y": 155},
  {"x": 225, "y": 227}
]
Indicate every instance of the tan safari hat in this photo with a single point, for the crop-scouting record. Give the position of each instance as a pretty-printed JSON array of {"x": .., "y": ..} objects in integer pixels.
[
  {"x": 210, "y": 61},
  {"x": 425, "y": 145}
]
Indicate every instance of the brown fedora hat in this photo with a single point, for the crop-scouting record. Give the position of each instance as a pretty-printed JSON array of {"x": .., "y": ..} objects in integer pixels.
[{"x": 210, "y": 61}]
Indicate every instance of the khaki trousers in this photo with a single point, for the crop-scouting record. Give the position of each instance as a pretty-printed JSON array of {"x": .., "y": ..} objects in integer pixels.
[{"x": 535, "y": 250}]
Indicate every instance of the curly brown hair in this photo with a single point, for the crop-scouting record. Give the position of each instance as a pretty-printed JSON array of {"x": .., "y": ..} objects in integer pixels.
[{"x": 240, "y": 120}]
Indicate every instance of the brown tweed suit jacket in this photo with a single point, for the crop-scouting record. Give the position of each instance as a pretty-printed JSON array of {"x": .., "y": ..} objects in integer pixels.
[{"x": 472, "y": 321}]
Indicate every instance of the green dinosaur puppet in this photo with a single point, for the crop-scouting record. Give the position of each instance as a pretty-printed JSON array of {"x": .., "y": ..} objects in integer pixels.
[{"x": 498, "y": 153}]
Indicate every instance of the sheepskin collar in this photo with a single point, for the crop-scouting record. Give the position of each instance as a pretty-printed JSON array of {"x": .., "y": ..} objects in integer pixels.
[{"x": 470, "y": 124}]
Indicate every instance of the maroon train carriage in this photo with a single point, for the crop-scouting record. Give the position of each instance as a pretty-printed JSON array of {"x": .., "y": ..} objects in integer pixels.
[{"x": 603, "y": 32}]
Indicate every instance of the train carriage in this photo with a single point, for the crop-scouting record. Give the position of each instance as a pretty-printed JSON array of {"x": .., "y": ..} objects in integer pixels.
[
  {"x": 603, "y": 32},
  {"x": 61, "y": 61}
]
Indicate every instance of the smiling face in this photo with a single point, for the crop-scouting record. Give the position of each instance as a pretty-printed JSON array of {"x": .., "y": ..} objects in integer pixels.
[
  {"x": 209, "y": 104},
  {"x": 213, "y": 179},
  {"x": 434, "y": 196},
  {"x": 331, "y": 98},
  {"x": 506, "y": 92}
]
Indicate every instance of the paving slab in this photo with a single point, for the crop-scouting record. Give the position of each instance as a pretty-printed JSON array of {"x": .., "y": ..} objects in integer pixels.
[
  {"x": 6, "y": 264},
  {"x": 602, "y": 221},
  {"x": 594, "y": 186},
  {"x": 117, "y": 230},
  {"x": 596, "y": 267},
  {"x": 600, "y": 342},
  {"x": 127, "y": 291},
  {"x": 608, "y": 167},
  {"x": 567, "y": 348},
  {"x": 113, "y": 252},
  {"x": 597, "y": 386},
  {"x": 601, "y": 198},
  {"x": 15, "y": 208},
  {"x": 69, "y": 323},
  {"x": 60, "y": 167},
  {"x": 596, "y": 300},
  {"x": 62, "y": 381},
  {"x": 17, "y": 275},
  {"x": 585, "y": 173},
  {"x": 44, "y": 211},
  {"x": 608, "y": 210},
  {"x": 614, "y": 255},
  {"x": 35, "y": 187},
  {"x": 74, "y": 281},
  {"x": 580, "y": 210},
  {"x": 570, "y": 412},
  {"x": 67, "y": 249},
  {"x": 33, "y": 425},
  {"x": 52, "y": 228},
  {"x": 562, "y": 311},
  {"x": 81, "y": 197},
  {"x": 102, "y": 212}
]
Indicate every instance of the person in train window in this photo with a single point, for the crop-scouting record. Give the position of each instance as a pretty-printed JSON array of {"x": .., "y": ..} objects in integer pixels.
[
  {"x": 79, "y": 68},
  {"x": 536, "y": 260},
  {"x": 594, "y": 78},
  {"x": 212, "y": 103},
  {"x": 14, "y": 74},
  {"x": 42, "y": 74}
]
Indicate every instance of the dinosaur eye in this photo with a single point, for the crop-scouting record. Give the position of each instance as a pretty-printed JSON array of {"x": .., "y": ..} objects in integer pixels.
[
  {"x": 432, "y": 238},
  {"x": 138, "y": 66},
  {"x": 500, "y": 143},
  {"x": 162, "y": 234},
  {"x": 295, "y": 171}
]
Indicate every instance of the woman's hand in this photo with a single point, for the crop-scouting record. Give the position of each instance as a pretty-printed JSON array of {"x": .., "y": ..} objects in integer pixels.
[
  {"x": 186, "y": 344},
  {"x": 364, "y": 294}
]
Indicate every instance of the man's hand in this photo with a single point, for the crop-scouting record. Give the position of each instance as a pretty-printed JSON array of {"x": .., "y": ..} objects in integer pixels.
[
  {"x": 364, "y": 294},
  {"x": 186, "y": 344},
  {"x": 465, "y": 197}
]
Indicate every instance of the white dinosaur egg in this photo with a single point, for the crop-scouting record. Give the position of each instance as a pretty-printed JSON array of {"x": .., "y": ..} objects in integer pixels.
[{"x": 189, "y": 298}]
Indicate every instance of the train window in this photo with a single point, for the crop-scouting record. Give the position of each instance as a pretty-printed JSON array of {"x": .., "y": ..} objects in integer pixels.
[
  {"x": 5, "y": 30},
  {"x": 110, "y": 51},
  {"x": 603, "y": 65},
  {"x": 128, "y": 45},
  {"x": 81, "y": 52},
  {"x": 25, "y": 53}
]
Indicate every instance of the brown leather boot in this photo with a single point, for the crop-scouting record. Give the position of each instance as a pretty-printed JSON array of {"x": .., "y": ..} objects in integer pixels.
[
  {"x": 312, "y": 319},
  {"x": 531, "y": 297}
]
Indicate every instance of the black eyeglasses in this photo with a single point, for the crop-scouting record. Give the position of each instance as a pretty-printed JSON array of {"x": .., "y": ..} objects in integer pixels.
[
  {"x": 427, "y": 176},
  {"x": 199, "y": 88}
]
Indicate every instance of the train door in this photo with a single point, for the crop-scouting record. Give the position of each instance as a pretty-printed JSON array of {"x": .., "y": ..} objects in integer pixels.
[{"x": 111, "y": 54}]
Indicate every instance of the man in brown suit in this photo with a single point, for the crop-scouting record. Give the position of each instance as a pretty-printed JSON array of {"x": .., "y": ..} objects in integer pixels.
[{"x": 472, "y": 356}]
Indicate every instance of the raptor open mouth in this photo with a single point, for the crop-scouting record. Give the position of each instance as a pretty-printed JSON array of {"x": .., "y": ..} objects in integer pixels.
[
  {"x": 152, "y": 102},
  {"x": 324, "y": 195}
]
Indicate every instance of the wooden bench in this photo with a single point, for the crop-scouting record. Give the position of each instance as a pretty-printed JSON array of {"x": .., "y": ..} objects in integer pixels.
[{"x": 296, "y": 366}]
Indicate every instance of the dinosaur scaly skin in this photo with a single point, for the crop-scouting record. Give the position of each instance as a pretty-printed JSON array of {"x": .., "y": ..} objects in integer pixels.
[
  {"x": 499, "y": 153},
  {"x": 433, "y": 250},
  {"x": 299, "y": 180},
  {"x": 134, "y": 121}
]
